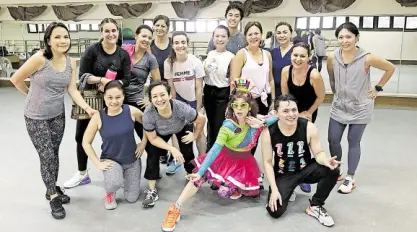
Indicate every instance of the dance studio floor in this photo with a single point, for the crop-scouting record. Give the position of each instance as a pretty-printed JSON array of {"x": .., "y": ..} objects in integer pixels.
[{"x": 383, "y": 200}]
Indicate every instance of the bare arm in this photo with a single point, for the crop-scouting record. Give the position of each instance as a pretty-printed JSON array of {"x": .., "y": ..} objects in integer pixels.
[
  {"x": 199, "y": 92},
  {"x": 382, "y": 64},
  {"x": 236, "y": 65},
  {"x": 317, "y": 82},
  {"x": 331, "y": 73},
  {"x": 89, "y": 134},
  {"x": 155, "y": 140},
  {"x": 284, "y": 80},
  {"x": 267, "y": 158},
  {"x": 137, "y": 115},
  {"x": 32, "y": 65},
  {"x": 168, "y": 75},
  {"x": 72, "y": 88},
  {"x": 315, "y": 145},
  {"x": 171, "y": 84},
  {"x": 271, "y": 77},
  {"x": 155, "y": 75},
  {"x": 199, "y": 124}
]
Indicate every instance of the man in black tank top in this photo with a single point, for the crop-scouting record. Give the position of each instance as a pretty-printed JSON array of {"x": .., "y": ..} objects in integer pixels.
[{"x": 288, "y": 148}]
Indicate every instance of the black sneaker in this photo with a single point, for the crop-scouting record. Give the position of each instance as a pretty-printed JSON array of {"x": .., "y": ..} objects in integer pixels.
[
  {"x": 64, "y": 198},
  {"x": 150, "y": 198},
  {"x": 57, "y": 211}
]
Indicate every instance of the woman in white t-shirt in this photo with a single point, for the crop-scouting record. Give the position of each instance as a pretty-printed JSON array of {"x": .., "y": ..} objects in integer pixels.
[
  {"x": 185, "y": 73},
  {"x": 217, "y": 83}
]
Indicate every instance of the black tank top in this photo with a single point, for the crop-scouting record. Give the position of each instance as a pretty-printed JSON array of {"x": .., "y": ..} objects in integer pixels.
[
  {"x": 291, "y": 153},
  {"x": 304, "y": 94}
]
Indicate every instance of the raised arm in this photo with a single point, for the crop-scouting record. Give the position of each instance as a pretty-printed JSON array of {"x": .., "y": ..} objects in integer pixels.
[
  {"x": 382, "y": 64},
  {"x": 33, "y": 64}
]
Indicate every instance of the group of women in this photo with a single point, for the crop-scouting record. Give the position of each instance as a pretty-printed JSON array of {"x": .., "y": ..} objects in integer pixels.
[{"x": 234, "y": 88}]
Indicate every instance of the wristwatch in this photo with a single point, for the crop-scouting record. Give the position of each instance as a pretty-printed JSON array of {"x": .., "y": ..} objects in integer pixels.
[{"x": 378, "y": 88}]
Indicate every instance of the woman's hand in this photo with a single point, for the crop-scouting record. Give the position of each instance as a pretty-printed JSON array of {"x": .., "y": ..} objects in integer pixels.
[
  {"x": 189, "y": 138},
  {"x": 254, "y": 122},
  {"x": 177, "y": 155},
  {"x": 140, "y": 147},
  {"x": 307, "y": 115},
  {"x": 193, "y": 177},
  {"x": 143, "y": 103},
  {"x": 373, "y": 93},
  {"x": 90, "y": 111},
  {"x": 105, "y": 165}
]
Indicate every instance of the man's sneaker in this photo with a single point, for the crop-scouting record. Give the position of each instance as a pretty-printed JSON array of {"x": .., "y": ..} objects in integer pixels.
[
  {"x": 321, "y": 214},
  {"x": 57, "y": 210},
  {"x": 64, "y": 198},
  {"x": 305, "y": 188},
  {"x": 236, "y": 195},
  {"x": 109, "y": 201},
  {"x": 173, "y": 168},
  {"x": 151, "y": 197},
  {"x": 293, "y": 196},
  {"x": 77, "y": 179},
  {"x": 173, "y": 216},
  {"x": 347, "y": 186}
]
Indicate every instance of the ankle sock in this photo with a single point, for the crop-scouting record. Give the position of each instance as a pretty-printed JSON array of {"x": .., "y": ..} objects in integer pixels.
[{"x": 177, "y": 205}]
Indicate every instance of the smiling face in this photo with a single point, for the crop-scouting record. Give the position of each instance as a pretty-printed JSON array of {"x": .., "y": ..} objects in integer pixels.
[
  {"x": 254, "y": 36},
  {"x": 283, "y": 34},
  {"x": 240, "y": 108},
  {"x": 299, "y": 57},
  {"x": 220, "y": 38},
  {"x": 59, "y": 40},
  {"x": 110, "y": 33},
  {"x": 233, "y": 18},
  {"x": 287, "y": 113},
  {"x": 160, "y": 97},
  {"x": 113, "y": 98},
  {"x": 143, "y": 39},
  {"x": 347, "y": 40},
  {"x": 180, "y": 44},
  {"x": 161, "y": 28}
]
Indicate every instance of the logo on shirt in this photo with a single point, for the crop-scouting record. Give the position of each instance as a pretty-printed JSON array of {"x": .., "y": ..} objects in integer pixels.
[
  {"x": 182, "y": 73},
  {"x": 292, "y": 155}
]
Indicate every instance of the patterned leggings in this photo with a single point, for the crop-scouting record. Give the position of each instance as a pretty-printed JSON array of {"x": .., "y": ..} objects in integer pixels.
[{"x": 46, "y": 136}]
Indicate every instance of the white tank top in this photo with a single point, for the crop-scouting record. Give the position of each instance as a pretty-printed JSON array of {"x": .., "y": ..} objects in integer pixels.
[{"x": 259, "y": 75}]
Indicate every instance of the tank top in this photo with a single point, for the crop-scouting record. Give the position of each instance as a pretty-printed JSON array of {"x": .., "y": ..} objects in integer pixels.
[
  {"x": 291, "y": 153},
  {"x": 259, "y": 74},
  {"x": 117, "y": 133},
  {"x": 161, "y": 55},
  {"x": 45, "y": 99},
  {"x": 304, "y": 94}
]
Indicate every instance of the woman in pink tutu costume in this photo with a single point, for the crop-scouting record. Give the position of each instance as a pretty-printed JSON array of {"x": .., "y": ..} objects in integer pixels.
[{"x": 229, "y": 164}]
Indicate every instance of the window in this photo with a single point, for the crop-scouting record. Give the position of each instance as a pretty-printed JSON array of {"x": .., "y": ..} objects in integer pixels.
[
  {"x": 190, "y": 26},
  {"x": 40, "y": 28},
  {"x": 72, "y": 27},
  {"x": 33, "y": 28},
  {"x": 171, "y": 26},
  {"x": 95, "y": 27},
  {"x": 399, "y": 22},
  {"x": 148, "y": 22},
  {"x": 368, "y": 22},
  {"x": 383, "y": 22},
  {"x": 354, "y": 20},
  {"x": 211, "y": 25},
  {"x": 340, "y": 20},
  {"x": 314, "y": 22},
  {"x": 84, "y": 27},
  {"x": 223, "y": 22},
  {"x": 201, "y": 26},
  {"x": 301, "y": 23},
  {"x": 179, "y": 26},
  {"x": 411, "y": 23},
  {"x": 328, "y": 22}
]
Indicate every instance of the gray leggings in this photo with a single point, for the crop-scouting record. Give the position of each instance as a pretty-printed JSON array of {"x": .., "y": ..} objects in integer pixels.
[
  {"x": 127, "y": 174},
  {"x": 355, "y": 133}
]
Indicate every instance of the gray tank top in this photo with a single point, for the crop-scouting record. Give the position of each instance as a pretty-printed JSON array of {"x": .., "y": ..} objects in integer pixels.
[{"x": 45, "y": 99}]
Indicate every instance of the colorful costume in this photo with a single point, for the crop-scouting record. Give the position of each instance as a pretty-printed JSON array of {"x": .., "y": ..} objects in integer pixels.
[{"x": 229, "y": 164}]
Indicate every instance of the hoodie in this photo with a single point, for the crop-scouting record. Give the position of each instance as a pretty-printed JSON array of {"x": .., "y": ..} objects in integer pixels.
[
  {"x": 319, "y": 45},
  {"x": 351, "y": 84}
]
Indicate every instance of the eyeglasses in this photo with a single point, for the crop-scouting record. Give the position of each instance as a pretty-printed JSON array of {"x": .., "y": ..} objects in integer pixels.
[{"x": 243, "y": 105}]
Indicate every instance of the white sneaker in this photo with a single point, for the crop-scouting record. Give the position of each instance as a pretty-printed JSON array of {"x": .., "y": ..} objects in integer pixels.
[
  {"x": 77, "y": 179},
  {"x": 347, "y": 186},
  {"x": 293, "y": 197},
  {"x": 109, "y": 201},
  {"x": 320, "y": 213}
]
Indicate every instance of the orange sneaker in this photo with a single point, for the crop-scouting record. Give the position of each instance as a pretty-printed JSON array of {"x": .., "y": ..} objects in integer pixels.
[
  {"x": 236, "y": 195},
  {"x": 173, "y": 216}
]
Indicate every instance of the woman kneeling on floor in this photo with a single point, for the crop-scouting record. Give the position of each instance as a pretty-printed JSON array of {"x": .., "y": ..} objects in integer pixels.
[
  {"x": 229, "y": 164},
  {"x": 120, "y": 157}
]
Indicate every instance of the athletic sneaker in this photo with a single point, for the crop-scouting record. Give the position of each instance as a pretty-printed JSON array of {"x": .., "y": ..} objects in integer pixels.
[
  {"x": 320, "y": 213},
  {"x": 151, "y": 197},
  {"x": 173, "y": 167},
  {"x": 77, "y": 179},
  {"x": 109, "y": 201},
  {"x": 305, "y": 188},
  {"x": 293, "y": 196},
  {"x": 57, "y": 210},
  {"x": 64, "y": 198},
  {"x": 347, "y": 186},
  {"x": 173, "y": 216}
]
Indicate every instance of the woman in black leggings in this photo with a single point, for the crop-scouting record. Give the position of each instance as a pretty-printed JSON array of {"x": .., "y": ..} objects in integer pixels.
[{"x": 95, "y": 65}]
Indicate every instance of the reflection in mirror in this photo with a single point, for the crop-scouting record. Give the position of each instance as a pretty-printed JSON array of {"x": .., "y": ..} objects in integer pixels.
[
  {"x": 12, "y": 48},
  {"x": 408, "y": 81}
]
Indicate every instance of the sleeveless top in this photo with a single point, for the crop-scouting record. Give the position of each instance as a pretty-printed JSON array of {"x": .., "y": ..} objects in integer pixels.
[
  {"x": 304, "y": 94},
  {"x": 45, "y": 99},
  {"x": 259, "y": 74},
  {"x": 117, "y": 133},
  {"x": 291, "y": 153}
]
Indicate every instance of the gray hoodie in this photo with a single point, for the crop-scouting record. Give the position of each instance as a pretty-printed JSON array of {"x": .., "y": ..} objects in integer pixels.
[
  {"x": 351, "y": 84},
  {"x": 319, "y": 45}
]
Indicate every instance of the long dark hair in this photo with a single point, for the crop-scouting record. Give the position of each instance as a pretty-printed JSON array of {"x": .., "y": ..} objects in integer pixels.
[
  {"x": 172, "y": 56},
  {"x": 47, "y": 38}
]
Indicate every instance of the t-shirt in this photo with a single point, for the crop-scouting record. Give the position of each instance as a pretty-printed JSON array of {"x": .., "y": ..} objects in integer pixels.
[
  {"x": 184, "y": 76},
  {"x": 161, "y": 56},
  {"x": 96, "y": 61},
  {"x": 236, "y": 42},
  {"x": 217, "y": 69},
  {"x": 140, "y": 73},
  {"x": 182, "y": 114}
]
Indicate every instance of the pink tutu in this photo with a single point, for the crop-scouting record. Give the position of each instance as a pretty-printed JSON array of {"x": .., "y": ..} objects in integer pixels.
[{"x": 237, "y": 171}]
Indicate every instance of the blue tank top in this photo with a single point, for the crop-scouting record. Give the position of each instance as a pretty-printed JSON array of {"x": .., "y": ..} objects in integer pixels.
[{"x": 117, "y": 133}]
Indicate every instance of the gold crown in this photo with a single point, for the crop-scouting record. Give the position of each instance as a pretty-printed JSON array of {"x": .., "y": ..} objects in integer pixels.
[{"x": 242, "y": 84}]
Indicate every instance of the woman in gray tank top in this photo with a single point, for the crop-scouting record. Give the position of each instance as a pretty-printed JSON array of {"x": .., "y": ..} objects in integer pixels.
[
  {"x": 51, "y": 72},
  {"x": 353, "y": 101}
]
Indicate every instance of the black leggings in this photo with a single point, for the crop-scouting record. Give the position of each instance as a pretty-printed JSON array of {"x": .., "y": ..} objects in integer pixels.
[
  {"x": 215, "y": 103},
  {"x": 152, "y": 161},
  {"x": 46, "y": 136}
]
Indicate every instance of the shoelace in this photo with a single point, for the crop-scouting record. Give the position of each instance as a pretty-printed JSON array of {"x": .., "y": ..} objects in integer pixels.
[
  {"x": 346, "y": 182},
  {"x": 149, "y": 194},
  {"x": 171, "y": 216},
  {"x": 322, "y": 211}
]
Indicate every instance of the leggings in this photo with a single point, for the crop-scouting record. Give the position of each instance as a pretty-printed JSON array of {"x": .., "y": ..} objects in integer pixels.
[
  {"x": 127, "y": 175},
  {"x": 355, "y": 133},
  {"x": 82, "y": 157},
  {"x": 46, "y": 136}
]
